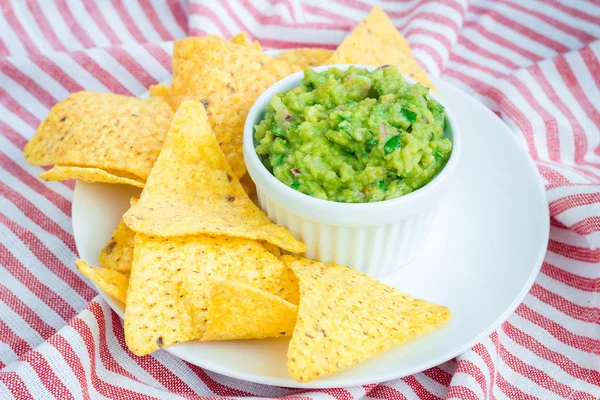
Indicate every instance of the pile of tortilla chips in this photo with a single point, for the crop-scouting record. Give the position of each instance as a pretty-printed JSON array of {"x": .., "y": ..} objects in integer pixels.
[{"x": 194, "y": 258}]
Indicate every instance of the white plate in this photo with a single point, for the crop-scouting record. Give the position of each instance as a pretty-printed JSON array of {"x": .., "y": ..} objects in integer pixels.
[{"x": 486, "y": 249}]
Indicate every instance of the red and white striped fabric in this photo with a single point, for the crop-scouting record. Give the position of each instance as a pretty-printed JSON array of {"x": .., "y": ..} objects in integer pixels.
[{"x": 535, "y": 63}]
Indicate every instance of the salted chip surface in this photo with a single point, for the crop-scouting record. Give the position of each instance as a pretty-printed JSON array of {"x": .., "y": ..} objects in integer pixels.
[
  {"x": 112, "y": 282},
  {"x": 162, "y": 92},
  {"x": 226, "y": 78},
  {"x": 171, "y": 279},
  {"x": 91, "y": 174},
  {"x": 305, "y": 58},
  {"x": 192, "y": 190},
  {"x": 118, "y": 252},
  {"x": 375, "y": 41},
  {"x": 345, "y": 317},
  {"x": 240, "y": 311}
]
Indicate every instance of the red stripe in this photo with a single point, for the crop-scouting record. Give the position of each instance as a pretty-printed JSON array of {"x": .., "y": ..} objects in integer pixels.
[
  {"x": 99, "y": 73},
  {"x": 30, "y": 281},
  {"x": 336, "y": 393},
  {"x": 587, "y": 226},
  {"x": 13, "y": 136},
  {"x": 214, "y": 386},
  {"x": 3, "y": 49},
  {"x": 150, "y": 12},
  {"x": 49, "y": 260},
  {"x": 474, "y": 47},
  {"x": 13, "y": 106},
  {"x": 15, "y": 384},
  {"x": 480, "y": 29},
  {"x": 583, "y": 343},
  {"x": 461, "y": 392},
  {"x": 568, "y": 278},
  {"x": 73, "y": 361},
  {"x": 573, "y": 11},
  {"x": 14, "y": 341},
  {"x": 563, "y": 204},
  {"x": 96, "y": 14},
  {"x": 44, "y": 25},
  {"x": 28, "y": 84},
  {"x": 517, "y": 27},
  {"x": 129, "y": 24},
  {"x": 439, "y": 375},
  {"x": 179, "y": 14},
  {"x": 150, "y": 364},
  {"x": 561, "y": 26},
  {"x": 73, "y": 25},
  {"x": 574, "y": 252},
  {"x": 24, "y": 311},
  {"x": 201, "y": 9},
  {"x": 511, "y": 391},
  {"x": 463, "y": 61},
  {"x": 538, "y": 376},
  {"x": 46, "y": 375},
  {"x": 470, "y": 368},
  {"x": 552, "y": 175},
  {"x": 560, "y": 360},
  {"x": 36, "y": 185},
  {"x": 482, "y": 351},
  {"x": 564, "y": 305},
  {"x": 580, "y": 138},
  {"x": 131, "y": 65},
  {"x": 57, "y": 73},
  {"x": 104, "y": 388},
  {"x": 418, "y": 388},
  {"x": 35, "y": 215},
  {"x": 339, "y": 21},
  {"x": 550, "y": 123},
  {"x": 385, "y": 392},
  {"x": 432, "y": 53},
  {"x": 160, "y": 55},
  {"x": 22, "y": 35}
]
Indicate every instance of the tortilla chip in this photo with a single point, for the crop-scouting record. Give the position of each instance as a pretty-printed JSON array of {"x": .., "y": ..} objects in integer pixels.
[
  {"x": 239, "y": 311},
  {"x": 226, "y": 78},
  {"x": 171, "y": 280},
  {"x": 118, "y": 252},
  {"x": 102, "y": 130},
  {"x": 242, "y": 39},
  {"x": 305, "y": 58},
  {"x": 375, "y": 41},
  {"x": 161, "y": 92},
  {"x": 248, "y": 185},
  {"x": 90, "y": 174},
  {"x": 192, "y": 190},
  {"x": 271, "y": 248},
  {"x": 346, "y": 317},
  {"x": 112, "y": 282}
]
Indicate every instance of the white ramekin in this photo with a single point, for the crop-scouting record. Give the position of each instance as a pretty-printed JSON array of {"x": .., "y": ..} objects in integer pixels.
[{"x": 375, "y": 238}]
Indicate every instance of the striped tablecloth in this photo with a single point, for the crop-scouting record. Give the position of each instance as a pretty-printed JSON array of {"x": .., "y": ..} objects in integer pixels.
[{"x": 535, "y": 63}]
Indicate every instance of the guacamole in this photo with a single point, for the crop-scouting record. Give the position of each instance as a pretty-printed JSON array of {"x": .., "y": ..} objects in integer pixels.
[{"x": 354, "y": 136}]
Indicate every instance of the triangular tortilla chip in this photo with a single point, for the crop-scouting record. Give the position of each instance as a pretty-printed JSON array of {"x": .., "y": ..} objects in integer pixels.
[
  {"x": 345, "y": 317},
  {"x": 112, "y": 282},
  {"x": 305, "y": 58},
  {"x": 91, "y": 174},
  {"x": 192, "y": 190},
  {"x": 118, "y": 252},
  {"x": 171, "y": 279},
  {"x": 102, "y": 130},
  {"x": 226, "y": 78},
  {"x": 161, "y": 92},
  {"x": 242, "y": 39},
  {"x": 239, "y": 311},
  {"x": 375, "y": 41}
]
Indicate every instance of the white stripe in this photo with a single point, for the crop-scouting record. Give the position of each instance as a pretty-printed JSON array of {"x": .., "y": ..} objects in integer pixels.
[
  {"x": 150, "y": 64},
  {"x": 113, "y": 19},
  {"x": 461, "y": 50},
  {"x": 552, "y": 12},
  {"x": 481, "y": 41},
  {"x": 563, "y": 191},
  {"x": 59, "y": 26},
  {"x": 184, "y": 372},
  {"x": 64, "y": 372},
  {"x": 534, "y": 23},
  {"x": 117, "y": 71},
  {"x": 7, "y": 354},
  {"x": 575, "y": 214},
  {"x": 574, "y": 295},
  {"x": 6, "y": 394},
  {"x": 168, "y": 19},
  {"x": 205, "y": 24},
  {"x": 467, "y": 380},
  {"x": 11, "y": 40},
  {"x": 16, "y": 123},
  {"x": 30, "y": 26},
  {"x": 572, "y": 175},
  {"x": 88, "y": 23},
  {"x": 585, "y": 7},
  {"x": 582, "y": 268},
  {"x": 431, "y": 66},
  {"x": 511, "y": 35},
  {"x": 21, "y": 96},
  {"x": 30, "y": 378},
  {"x": 567, "y": 236},
  {"x": 433, "y": 8},
  {"x": 19, "y": 327},
  {"x": 77, "y": 72},
  {"x": 438, "y": 46},
  {"x": 268, "y": 9},
  {"x": 224, "y": 16},
  {"x": 33, "y": 71},
  {"x": 432, "y": 386},
  {"x": 142, "y": 22}
]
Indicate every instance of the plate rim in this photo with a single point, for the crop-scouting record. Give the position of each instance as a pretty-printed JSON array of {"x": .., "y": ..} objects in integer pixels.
[{"x": 328, "y": 382}]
